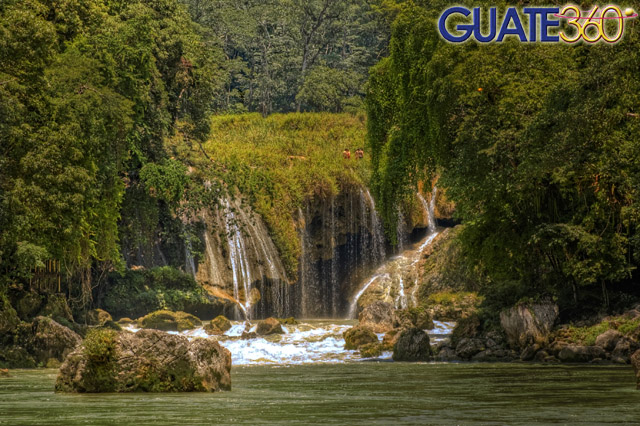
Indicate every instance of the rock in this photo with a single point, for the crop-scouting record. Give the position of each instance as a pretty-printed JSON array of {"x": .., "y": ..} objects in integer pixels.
[
  {"x": 127, "y": 321},
  {"x": 608, "y": 340},
  {"x": 529, "y": 352},
  {"x": 288, "y": 321},
  {"x": 9, "y": 319},
  {"x": 358, "y": 336},
  {"x": 466, "y": 328},
  {"x": 578, "y": 353},
  {"x": 246, "y": 335},
  {"x": 57, "y": 308},
  {"x": 541, "y": 356},
  {"x": 390, "y": 339},
  {"x": 446, "y": 354},
  {"x": 169, "y": 321},
  {"x": 412, "y": 317},
  {"x": 622, "y": 349},
  {"x": 525, "y": 325},
  {"x": 16, "y": 357},
  {"x": 218, "y": 325},
  {"x": 97, "y": 317},
  {"x": 412, "y": 345},
  {"x": 269, "y": 326},
  {"x": 146, "y": 361},
  {"x": 466, "y": 348},
  {"x": 496, "y": 337},
  {"x": 378, "y": 316},
  {"x": 635, "y": 363},
  {"x": 28, "y": 305},
  {"x": 46, "y": 339},
  {"x": 370, "y": 350}
]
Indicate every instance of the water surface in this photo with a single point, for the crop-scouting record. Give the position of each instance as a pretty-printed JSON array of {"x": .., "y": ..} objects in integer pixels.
[{"x": 349, "y": 393}]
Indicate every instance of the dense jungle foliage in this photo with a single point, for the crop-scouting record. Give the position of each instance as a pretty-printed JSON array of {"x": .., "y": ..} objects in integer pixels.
[{"x": 537, "y": 145}]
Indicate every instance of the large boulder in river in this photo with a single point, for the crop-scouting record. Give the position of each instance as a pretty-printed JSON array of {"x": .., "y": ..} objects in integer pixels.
[
  {"x": 169, "y": 321},
  {"x": 412, "y": 317},
  {"x": 525, "y": 325},
  {"x": 635, "y": 363},
  {"x": 48, "y": 340},
  {"x": 468, "y": 347},
  {"x": 578, "y": 353},
  {"x": 269, "y": 326},
  {"x": 146, "y": 361},
  {"x": 359, "y": 336},
  {"x": 218, "y": 325},
  {"x": 412, "y": 345},
  {"x": 378, "y": 316}
]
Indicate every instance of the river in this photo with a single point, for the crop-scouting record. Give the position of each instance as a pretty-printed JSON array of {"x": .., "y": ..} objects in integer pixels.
[{"x": 348, "y": 393}]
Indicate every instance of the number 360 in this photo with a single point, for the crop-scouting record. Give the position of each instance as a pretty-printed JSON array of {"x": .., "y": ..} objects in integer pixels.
[{"x": 592, "y": 21}]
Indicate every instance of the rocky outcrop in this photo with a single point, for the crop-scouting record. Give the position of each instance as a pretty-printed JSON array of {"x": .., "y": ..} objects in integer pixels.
[
  {"x": 147, "y": 361},
  {"x": 609, "y": 339},
  {"x": 371, "y": 350},
  {"x": 468, "y": 347},
  {"x": 358, "y": 336},
  {"x": 269, "y": 326},
  {"x": 412, "y": 317},
  {"x": 57, "y": 308},
  {"x": 378, "y": 316},
  {"x": 218, "y": 325},
  {"x": 169, "y": 321},
  {"x": 9, "y": 319},
  {"x": 412, "y": 345},
  {"x": 525, "y": 325},
  {"x": 46, "y": 340}
]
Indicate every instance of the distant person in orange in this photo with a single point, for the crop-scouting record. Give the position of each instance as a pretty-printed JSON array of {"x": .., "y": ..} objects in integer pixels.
[{"x": 346, "y": 154}]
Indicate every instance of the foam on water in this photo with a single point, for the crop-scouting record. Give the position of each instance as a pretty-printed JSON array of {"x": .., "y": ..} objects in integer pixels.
[{"x": 310, "y": 341}]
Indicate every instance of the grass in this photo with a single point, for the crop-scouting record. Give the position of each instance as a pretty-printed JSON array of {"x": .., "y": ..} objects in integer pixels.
[
  {"x": 588, "y": 335},
  {"x": 279, "y": 162}
]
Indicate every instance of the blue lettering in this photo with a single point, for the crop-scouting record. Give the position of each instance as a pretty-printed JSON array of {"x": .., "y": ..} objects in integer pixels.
[
  {"x": 442, "y": 25},
  {"x": 545, "y": 23},
  {"x": 512, "y": 15},
  {"x": 492, "y": 25}
]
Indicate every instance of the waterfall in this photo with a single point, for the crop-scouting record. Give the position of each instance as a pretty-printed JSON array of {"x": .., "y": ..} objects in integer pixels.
[
  {"x": 190, "y": 264},
  {"x": 392, "y": 280},
  {"x": 432, "y": 210},
  {"x": 377, "y": 231},
  {"x": 238, "y": 256},
  {"x": 214, "y": 267}
]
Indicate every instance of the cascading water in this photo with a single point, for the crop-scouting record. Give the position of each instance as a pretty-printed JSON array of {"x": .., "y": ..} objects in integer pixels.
[{"x": 389, "y": 281}]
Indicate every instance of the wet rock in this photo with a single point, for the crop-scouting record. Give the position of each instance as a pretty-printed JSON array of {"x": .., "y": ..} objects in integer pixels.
[
  {"x": 541, "y": 356},
  {"x": 169, "y": 321},
  {"x": 218, "y": 325},
  {"x": 288, "y": 321},
  {"x": 412, "y": 345},
  {"x": 635, "y": 363},
  {"x": 446, "y": 354},
  {"x": 525, "y": 325},
  {"x": 127, "y": 321},
  {"x": 378, "y": 316},
  {"x": 247, "y": 335},
  {"x": 16, "y": 357},
  {"x": 358, "y": 336},
  {"x": 622, "y": 349},
  {"x": 466, "y": 328},
  {"x": 147, "y": 361},
  {"x": 608, "y": 340},
  {"x": 97, "y": 317},
  {"x": 390, "y": 338},
  {"x": 496, "y": 337},
  {"x": 45, "y": 339},
  {"x": 578, "y": 353},
  {"x": 466, "y": 348},
  {"x": 371, "y": 350},
  {"x": 269, "y": 326}
]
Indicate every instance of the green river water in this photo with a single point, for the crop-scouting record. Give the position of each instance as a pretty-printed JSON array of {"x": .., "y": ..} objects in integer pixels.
[{"x": 348, "y": 393}]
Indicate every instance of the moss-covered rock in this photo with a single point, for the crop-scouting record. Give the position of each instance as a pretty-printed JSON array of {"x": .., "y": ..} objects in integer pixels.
[
  {"x": 9, "y": 319},
  {"x": 288, "y": 321},
  {"x": 126, "y": 321},
  {"x": 269, "y": 326},
  {"x": 371, "y": 350},
  {"x": 358, "y": 336},
  {"x": 97, "y": 317},
  {"x": 378, "y": 316},
  {"x": 218, "y": 325},
  {"x": 45, "y": 339},
  {"x": 169, "y": 321},
  {"x": 412, "y": 345},
  {"x": 147, "y": 361},
  {"x": 28, "y": 304},
  {"x": 412, "y": 317},
  {"x": 57, "y": 308}
]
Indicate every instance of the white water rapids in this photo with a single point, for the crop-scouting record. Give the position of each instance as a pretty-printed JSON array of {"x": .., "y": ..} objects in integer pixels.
[{"x": 310, "y": 341}]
